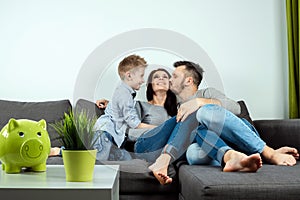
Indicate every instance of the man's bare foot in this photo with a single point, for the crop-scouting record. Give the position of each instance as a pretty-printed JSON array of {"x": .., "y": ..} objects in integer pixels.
[
  {"x": 289, "y": 150},
  {"x": 282, "y": 156},
  {"x": 236, "y": 161},
  {"x": 160, "y": 169}
]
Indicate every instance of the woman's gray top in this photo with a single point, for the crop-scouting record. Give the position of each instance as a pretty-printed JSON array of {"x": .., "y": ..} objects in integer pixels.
[{"x": 148, "y": 114}]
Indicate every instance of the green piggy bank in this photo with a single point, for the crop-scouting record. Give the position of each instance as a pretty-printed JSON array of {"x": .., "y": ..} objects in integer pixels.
[{"x": 24, "y": 144}]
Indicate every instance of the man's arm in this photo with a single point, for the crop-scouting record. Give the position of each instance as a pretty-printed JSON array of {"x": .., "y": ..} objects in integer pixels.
[{"x": 207, "y": 96}]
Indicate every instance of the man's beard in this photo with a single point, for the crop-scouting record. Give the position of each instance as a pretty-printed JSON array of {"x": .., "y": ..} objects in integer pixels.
[{"x": 180, "y": 88}]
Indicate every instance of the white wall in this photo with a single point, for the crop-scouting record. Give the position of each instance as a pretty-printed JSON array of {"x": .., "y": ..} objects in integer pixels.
[{"x": 43, "y": 44}]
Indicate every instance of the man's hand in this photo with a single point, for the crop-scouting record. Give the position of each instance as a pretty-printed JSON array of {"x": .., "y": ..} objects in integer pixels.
[
  {"x": 193, "y": 105},
  {"x": 187, "y": 108},
  {"x": 102, "y": 103}
]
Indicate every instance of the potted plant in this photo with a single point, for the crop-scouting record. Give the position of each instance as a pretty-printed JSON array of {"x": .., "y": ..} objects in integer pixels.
[{"x": 78, "y": 138}]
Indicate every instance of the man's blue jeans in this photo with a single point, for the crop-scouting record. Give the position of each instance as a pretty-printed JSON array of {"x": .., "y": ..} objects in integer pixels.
[
  {"x": 170, "y": 137},
  {"x": 221, "y": 130}
]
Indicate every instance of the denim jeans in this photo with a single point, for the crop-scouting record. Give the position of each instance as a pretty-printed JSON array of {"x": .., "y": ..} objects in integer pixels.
[
  {"x": 221, "y": 130},
  {"x": 170, "y": 137},
  {"x": 107, "y": 150},
  {"x": 195, "y": 155}
]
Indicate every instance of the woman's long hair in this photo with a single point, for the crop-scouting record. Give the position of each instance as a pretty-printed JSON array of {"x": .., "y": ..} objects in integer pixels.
[{"x": 171, "y": 101}]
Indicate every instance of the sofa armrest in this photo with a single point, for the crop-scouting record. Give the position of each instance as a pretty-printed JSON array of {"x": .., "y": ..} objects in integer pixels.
[
  {"x": 90, "y": 107},
  {"x": 278, "y": 133}
]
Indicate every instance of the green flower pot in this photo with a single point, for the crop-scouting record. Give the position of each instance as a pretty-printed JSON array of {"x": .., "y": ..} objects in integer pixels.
[{"x": 79, "y": 165}]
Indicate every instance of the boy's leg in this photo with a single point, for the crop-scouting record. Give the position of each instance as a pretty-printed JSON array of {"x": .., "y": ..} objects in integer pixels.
[{"x": 103, "y": 145}]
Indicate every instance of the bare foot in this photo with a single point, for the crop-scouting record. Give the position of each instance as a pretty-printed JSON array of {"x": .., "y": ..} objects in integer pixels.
[
  {"x": 236, "y": 161},
  {"x": 282, "y": 156},
  {"x": 289, "y": 150},
  {"x": 160, "y": 169},
  {"x": 285, "y": 156},
  {"x": 54, "y": 151}
]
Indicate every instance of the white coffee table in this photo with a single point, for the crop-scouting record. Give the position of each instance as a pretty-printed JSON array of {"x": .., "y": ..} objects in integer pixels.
[{"x": 52, "y": 185}]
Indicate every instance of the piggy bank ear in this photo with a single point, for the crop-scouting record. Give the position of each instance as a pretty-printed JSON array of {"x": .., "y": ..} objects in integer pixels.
[
  {"x": 12, "y": 124},
  {"x": 42, "y": 123}
]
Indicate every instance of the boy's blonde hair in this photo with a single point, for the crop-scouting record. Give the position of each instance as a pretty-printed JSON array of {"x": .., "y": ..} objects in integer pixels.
[{"x": 129, "y": 63}]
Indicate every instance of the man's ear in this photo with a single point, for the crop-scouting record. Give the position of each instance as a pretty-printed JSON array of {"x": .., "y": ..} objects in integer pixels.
[{"x": 189, "y": 80}]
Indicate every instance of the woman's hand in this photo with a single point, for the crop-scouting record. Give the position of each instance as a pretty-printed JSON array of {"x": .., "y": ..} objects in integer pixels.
[{"x": 102, "y": 103}]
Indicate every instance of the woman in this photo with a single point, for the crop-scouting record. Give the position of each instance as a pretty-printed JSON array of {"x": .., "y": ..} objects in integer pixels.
[
  {"x": 161, "y": 103},
  {"x": 160, "y": 107}
]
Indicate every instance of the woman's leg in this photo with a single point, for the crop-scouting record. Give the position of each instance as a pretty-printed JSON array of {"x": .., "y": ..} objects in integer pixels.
[
  {"x": 179, "y": 140},
  {"x": 182, "y": 136},
  {"x": 150, "y": 144}
]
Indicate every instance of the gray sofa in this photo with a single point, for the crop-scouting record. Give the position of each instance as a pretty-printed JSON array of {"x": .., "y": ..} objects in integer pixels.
[{"x": 190, "y": 182}]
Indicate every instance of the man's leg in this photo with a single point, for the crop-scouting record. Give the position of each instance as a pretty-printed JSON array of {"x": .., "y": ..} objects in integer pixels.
[
  {"x": 195, "y": 155},
  {"x": 231, "y": 160},
  {"x": 230, "y": 128},
  {"x": 245, "y": 138}
]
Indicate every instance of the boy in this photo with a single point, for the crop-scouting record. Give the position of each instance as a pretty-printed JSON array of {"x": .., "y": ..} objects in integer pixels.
[{"x": 120, "y": 113}]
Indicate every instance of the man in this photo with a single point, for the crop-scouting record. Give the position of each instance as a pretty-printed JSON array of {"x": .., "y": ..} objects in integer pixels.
[{"x": 218, "y": 124}]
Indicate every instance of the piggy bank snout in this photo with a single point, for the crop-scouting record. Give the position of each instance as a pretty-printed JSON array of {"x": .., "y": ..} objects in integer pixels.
[{"x": 32, "y": 149}]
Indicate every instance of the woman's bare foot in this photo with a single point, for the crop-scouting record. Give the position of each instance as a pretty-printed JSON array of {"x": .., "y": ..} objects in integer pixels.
[
  {"x": 236, "y": 161},
  {"x": 160, "y": 169},
  {"x": 282, "y": 156}
]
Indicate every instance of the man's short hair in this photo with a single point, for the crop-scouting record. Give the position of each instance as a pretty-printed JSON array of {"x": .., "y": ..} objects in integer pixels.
[
  {"x": 129, "y": 63},
  {"x": 194, "y": 70}
]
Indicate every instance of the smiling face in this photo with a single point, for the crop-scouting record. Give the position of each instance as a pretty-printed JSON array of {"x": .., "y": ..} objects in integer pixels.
[
  {"x": 160, "y": 81},
  {"x": 136, "y": 77}
]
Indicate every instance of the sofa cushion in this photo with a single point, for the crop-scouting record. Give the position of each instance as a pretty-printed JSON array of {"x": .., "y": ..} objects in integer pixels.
[
  {"x": 88, "y": 106},
  {"x": 51, "y": 111},
  {"x": 244, "y": 112},
  {"x": 136, "y": 178},
  {"x": 277, "y": 133},
  {"x": 269, "y": 182}
]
